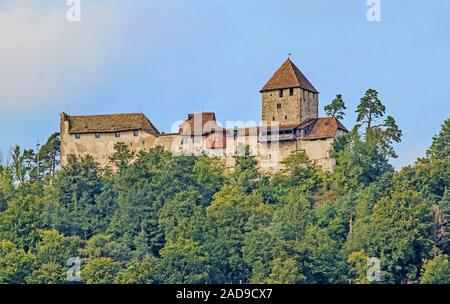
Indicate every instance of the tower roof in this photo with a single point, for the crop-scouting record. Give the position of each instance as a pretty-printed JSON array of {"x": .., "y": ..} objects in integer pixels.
[{"x": 288, "y": 76}]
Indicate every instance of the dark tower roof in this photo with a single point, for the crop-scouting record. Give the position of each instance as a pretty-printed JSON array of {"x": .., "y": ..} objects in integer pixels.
[{"x": 288, "y": 76}]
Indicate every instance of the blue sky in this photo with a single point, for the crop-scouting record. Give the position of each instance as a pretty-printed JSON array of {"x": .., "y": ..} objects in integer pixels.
[{"x": 168, "y": 58}]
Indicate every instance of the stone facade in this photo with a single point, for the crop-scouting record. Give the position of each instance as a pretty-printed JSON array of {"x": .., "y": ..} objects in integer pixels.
[
  {"x": 290, "y": 124},
  {"x": 293, "y": 105}
]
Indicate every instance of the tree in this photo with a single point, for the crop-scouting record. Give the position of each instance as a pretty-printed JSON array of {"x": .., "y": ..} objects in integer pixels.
[
  {"x": 436, "y": 270},
  {"x": 100, "y": 271},
  {"x": 336, "y": 108},
  {"x": 48, "y": 155},
  {"x": 358, "y": 270},
  {"x": 55, "y": 248},
  {"x": 75, "y": 212},
  {"x": 15, "y": 263},
  {"x": 359, "y": 163},
  {"x": 184, "y": 262},
  {"x": 294, "y": 216},
  {"x": 299, "y": 172},
  {"x": 17, "y": 164},
  {"x": 144, "y": 271},
  {"x": 369, "y": 110},
  {"x": 230, "y": 215},
  {"x": 440, "y": 147},
  {"x": 284, "y": 271},
  {"x": 49, "y": 273},
  {"x": 398, "y": 231},
  {"x": 122, "y": 156},
  {"x": 246, "y": 174}
]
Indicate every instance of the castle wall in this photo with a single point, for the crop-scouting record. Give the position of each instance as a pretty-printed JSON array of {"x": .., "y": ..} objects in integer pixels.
[
  {"x": 101, "y": 149},
  {"x": 297, "y": 108}
]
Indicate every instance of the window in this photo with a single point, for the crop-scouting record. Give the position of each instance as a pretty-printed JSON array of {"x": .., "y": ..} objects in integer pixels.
[
  {"x": 117, "y": 134},
  {"x": 77, "y": 136},
  {"x": 278, "y": 105},
  {"x": 285, "y": 117},
  {"x": 136, "y": 132},
  {"x": 273, "y": 118},
  {"x": 97, "y": 135},
  {"x": 281, "y": 93},
  {"x": 291, "y": 92}
]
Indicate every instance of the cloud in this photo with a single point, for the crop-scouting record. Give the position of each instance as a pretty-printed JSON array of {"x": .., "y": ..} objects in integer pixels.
[{"x": 42, "y": 55}]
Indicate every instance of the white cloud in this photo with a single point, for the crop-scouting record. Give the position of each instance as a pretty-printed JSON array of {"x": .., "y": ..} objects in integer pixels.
[{"x": 42, "y": 54}]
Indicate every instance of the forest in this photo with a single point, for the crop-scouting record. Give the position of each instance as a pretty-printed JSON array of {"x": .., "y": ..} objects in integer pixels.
[{"x": 158, "y": 218}]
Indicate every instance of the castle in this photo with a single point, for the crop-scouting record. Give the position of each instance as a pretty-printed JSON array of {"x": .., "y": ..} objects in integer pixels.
[{"x": 290, "y": 123}]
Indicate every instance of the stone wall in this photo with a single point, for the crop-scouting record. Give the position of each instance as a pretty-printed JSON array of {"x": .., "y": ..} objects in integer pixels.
[
  {"x": 297, "y": 108},
  {"x": 101, "y": 149}
]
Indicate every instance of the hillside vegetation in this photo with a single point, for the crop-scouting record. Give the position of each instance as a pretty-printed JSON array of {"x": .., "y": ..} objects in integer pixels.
[{"x": 182, "y": 219}]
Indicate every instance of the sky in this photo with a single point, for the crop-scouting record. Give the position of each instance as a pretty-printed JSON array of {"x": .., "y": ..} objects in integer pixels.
[{"x": 168, "y": 58}]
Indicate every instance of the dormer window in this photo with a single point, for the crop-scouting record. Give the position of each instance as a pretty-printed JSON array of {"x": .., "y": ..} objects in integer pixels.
[
  {"x": 281, "y": 93},
  {"x": 117, "y": 134}
]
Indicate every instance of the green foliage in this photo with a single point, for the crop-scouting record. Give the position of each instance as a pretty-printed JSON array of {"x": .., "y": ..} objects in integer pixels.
[
  {"x": 440, "y": 147},
  {"x": 122, "y": 156},
  {"x": 161, "y": 218},
  {"x": 145, "y": 271},
  {"x": 436, "y": 270},
  {"x": 398, "y": 231},
  {"x": 55, "y": 248},
  {"x": 15, "y": 263},
  {"x": 100, "y": 271},
  {"x": 49, "y": 273},
  {"x": 336, "y": 108},
  {"x": 184, "y": 262}
]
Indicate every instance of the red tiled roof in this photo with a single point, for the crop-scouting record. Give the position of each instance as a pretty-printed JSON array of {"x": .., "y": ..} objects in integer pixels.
[
  {"x": 109, "y": 123},
  {"x": 199, "y": 124},
  {"x": 325, "y": 128},
  {"x": 288, "y": 76}
]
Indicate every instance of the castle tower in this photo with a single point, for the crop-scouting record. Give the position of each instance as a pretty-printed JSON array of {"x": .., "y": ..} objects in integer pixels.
[{"x": 289, "y": 97}]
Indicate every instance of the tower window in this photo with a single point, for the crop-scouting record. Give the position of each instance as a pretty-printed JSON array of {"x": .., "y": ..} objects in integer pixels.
[
  {"x": 97, "y": 135},
  {"x": 281, "y": 93},
  {"x": 291, "y": 92},
  {"x": 278, "y": 105}
]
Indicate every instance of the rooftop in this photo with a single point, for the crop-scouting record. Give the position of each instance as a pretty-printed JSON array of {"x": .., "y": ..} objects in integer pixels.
[{"x": 288, "y": 76}]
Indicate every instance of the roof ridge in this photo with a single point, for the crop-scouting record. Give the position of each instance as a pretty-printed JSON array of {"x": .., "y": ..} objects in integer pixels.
[{"x": 288, "y": 75}]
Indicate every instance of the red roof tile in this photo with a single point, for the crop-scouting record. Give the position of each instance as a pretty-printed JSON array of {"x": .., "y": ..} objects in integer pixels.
[
  {"x": 110, "y": 123},
  {"x": 288, "y": 76},
  {"x": 199, "y": 124},
  {"x": 325, "y": 128}
]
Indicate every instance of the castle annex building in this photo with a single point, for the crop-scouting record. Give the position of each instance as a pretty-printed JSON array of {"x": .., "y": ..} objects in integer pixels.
[{"x": 290, "y": 123}]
